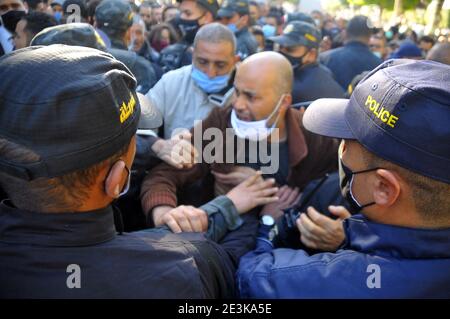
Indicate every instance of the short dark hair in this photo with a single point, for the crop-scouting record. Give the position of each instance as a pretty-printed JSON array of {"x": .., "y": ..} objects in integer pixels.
[
  {"x": 91, "y": 6},
  {"x": 427, "y": 38},
  {"x": 430, "y": 196},
  {"x": 33, "y": 4},
  {"x": 278, "y": 18},
  {"x": 38, "y": 21},
  {"x": 157, "y": 29},
  {"x": 168, "y": 7},
  {"x": 60, "y": 194},
  {"x": 358, "y": 27}
]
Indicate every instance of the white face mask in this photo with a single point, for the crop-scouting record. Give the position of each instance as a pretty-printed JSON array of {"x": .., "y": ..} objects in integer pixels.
[{"x": 254, "y": 130}]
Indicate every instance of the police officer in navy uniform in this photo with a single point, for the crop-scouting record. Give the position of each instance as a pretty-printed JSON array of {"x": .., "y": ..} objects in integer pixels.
[
  {"x": 299, "y": 43},
  {"x": 394, "y": 172},
  {"x": 236, "y": 15},
  {"x": 114, "y": 18},
  {"x": 354, "y": 57},
  {"x": 193, "y": 15},
  {"x": 67, "y": 147}
]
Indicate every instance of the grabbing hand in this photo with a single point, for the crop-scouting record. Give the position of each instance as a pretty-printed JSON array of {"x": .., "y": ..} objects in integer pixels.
[
  {"x": 287, "y": 197},
  {"x": 186, "y": 219},
  {"x": 318, "y": 231},
  {"x": 177, "y": 151},
  {"x": 253, "y": 192}
]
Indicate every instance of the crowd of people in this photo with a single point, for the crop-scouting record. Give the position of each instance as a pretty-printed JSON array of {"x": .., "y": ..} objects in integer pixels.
[{"x": 220, "y": 150}]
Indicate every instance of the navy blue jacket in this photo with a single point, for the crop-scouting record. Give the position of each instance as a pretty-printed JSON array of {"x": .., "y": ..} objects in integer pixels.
[
  {"x": 246, "y": 44},
  {"x": 348, "y": 61},
  {"x": 409, "y": 263},
  {"x": 314, "y": 81}
]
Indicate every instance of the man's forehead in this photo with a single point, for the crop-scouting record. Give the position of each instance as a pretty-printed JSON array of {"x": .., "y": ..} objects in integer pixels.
[
  {"x": 220, "y": 51},
  {"x": 145, "y": 9},
  {"x": 249, "y": 82}
]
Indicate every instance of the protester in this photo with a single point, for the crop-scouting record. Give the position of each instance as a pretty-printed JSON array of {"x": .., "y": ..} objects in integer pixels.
[
  {"x": 261, "y": 103},
  {"x": 191, "y": 92},
  {"x": 170, "y": 12},
  {"x": 377, "y": 45},
  {"x": 426, "y": 43},
  {"x": 440, "y": 53},
  {"x": 30, "y": 25},
  {"x": 11, "y": 11},
  {"x": 193, "y": 15},
  {"x": 161, "y": 36}
]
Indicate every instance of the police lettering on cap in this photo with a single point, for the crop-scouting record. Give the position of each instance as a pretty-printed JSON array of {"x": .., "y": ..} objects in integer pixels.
[
  {"x": 298, "y": 33},
  {"x": 400, "y": 112},
  {"x": 230, "y": 7},
  {"x": 74, "y": 107}
]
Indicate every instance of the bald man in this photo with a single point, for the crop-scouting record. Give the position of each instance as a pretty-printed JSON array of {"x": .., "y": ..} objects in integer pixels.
[
  {"x": 440, "y": 53},
  {"x": 259, "y": 116}
]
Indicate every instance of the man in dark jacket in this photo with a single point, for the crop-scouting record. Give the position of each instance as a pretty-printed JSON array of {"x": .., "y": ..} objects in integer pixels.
[
  {"x": 193, "y": 15},
  {"x": 299, "y": 43},
  {"x": 355, "y": 56},
  {"x": 235, "y": 14},
  {"x": 115, "y": 18},
  {"x": 67, "y": 147}
]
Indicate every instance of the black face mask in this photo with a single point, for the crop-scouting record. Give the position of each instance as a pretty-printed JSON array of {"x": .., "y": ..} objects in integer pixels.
[
  {"x": 11, "y": 18},
  {"x": 296, "y": 62},
  {"x": 189, "y": 28},
  {"x": 345, "y": 183}
]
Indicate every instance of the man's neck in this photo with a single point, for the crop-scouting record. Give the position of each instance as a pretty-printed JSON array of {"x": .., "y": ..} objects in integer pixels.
[
  {"x": 364, "y": 41},
  {"x": 281, "y": 136},
  {"x": 405, "y": 216}
]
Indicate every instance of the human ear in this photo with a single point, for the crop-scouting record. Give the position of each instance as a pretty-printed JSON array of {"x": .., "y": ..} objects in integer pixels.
[
  {"x": 114, "y": 178},
  {"x": 386, "y": 190}
]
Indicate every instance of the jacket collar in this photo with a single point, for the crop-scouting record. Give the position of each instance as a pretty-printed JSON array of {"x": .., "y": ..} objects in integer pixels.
[
  {"x": 118, "y": 44},
  {"x": 296, "y": 139},
  {"x": 240, "y": 31},
  {"x": 55, "y": 229},
  {"x": 356, "y": 44},
  {"x": 393, "y": 241}
]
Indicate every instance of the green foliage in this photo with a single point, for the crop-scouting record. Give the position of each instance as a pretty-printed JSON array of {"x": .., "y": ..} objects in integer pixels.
[{"x": 389, "y": 4}]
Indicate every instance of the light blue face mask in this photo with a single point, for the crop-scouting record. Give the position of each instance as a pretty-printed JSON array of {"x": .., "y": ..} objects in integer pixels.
[
  {"x": 269, "y": 30},
  {"x": 209, "y": 85},
  {"x": 233, "y": 28},
  {"x": 377, "y": 54},
  {"x": 58, "y": 16}
]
